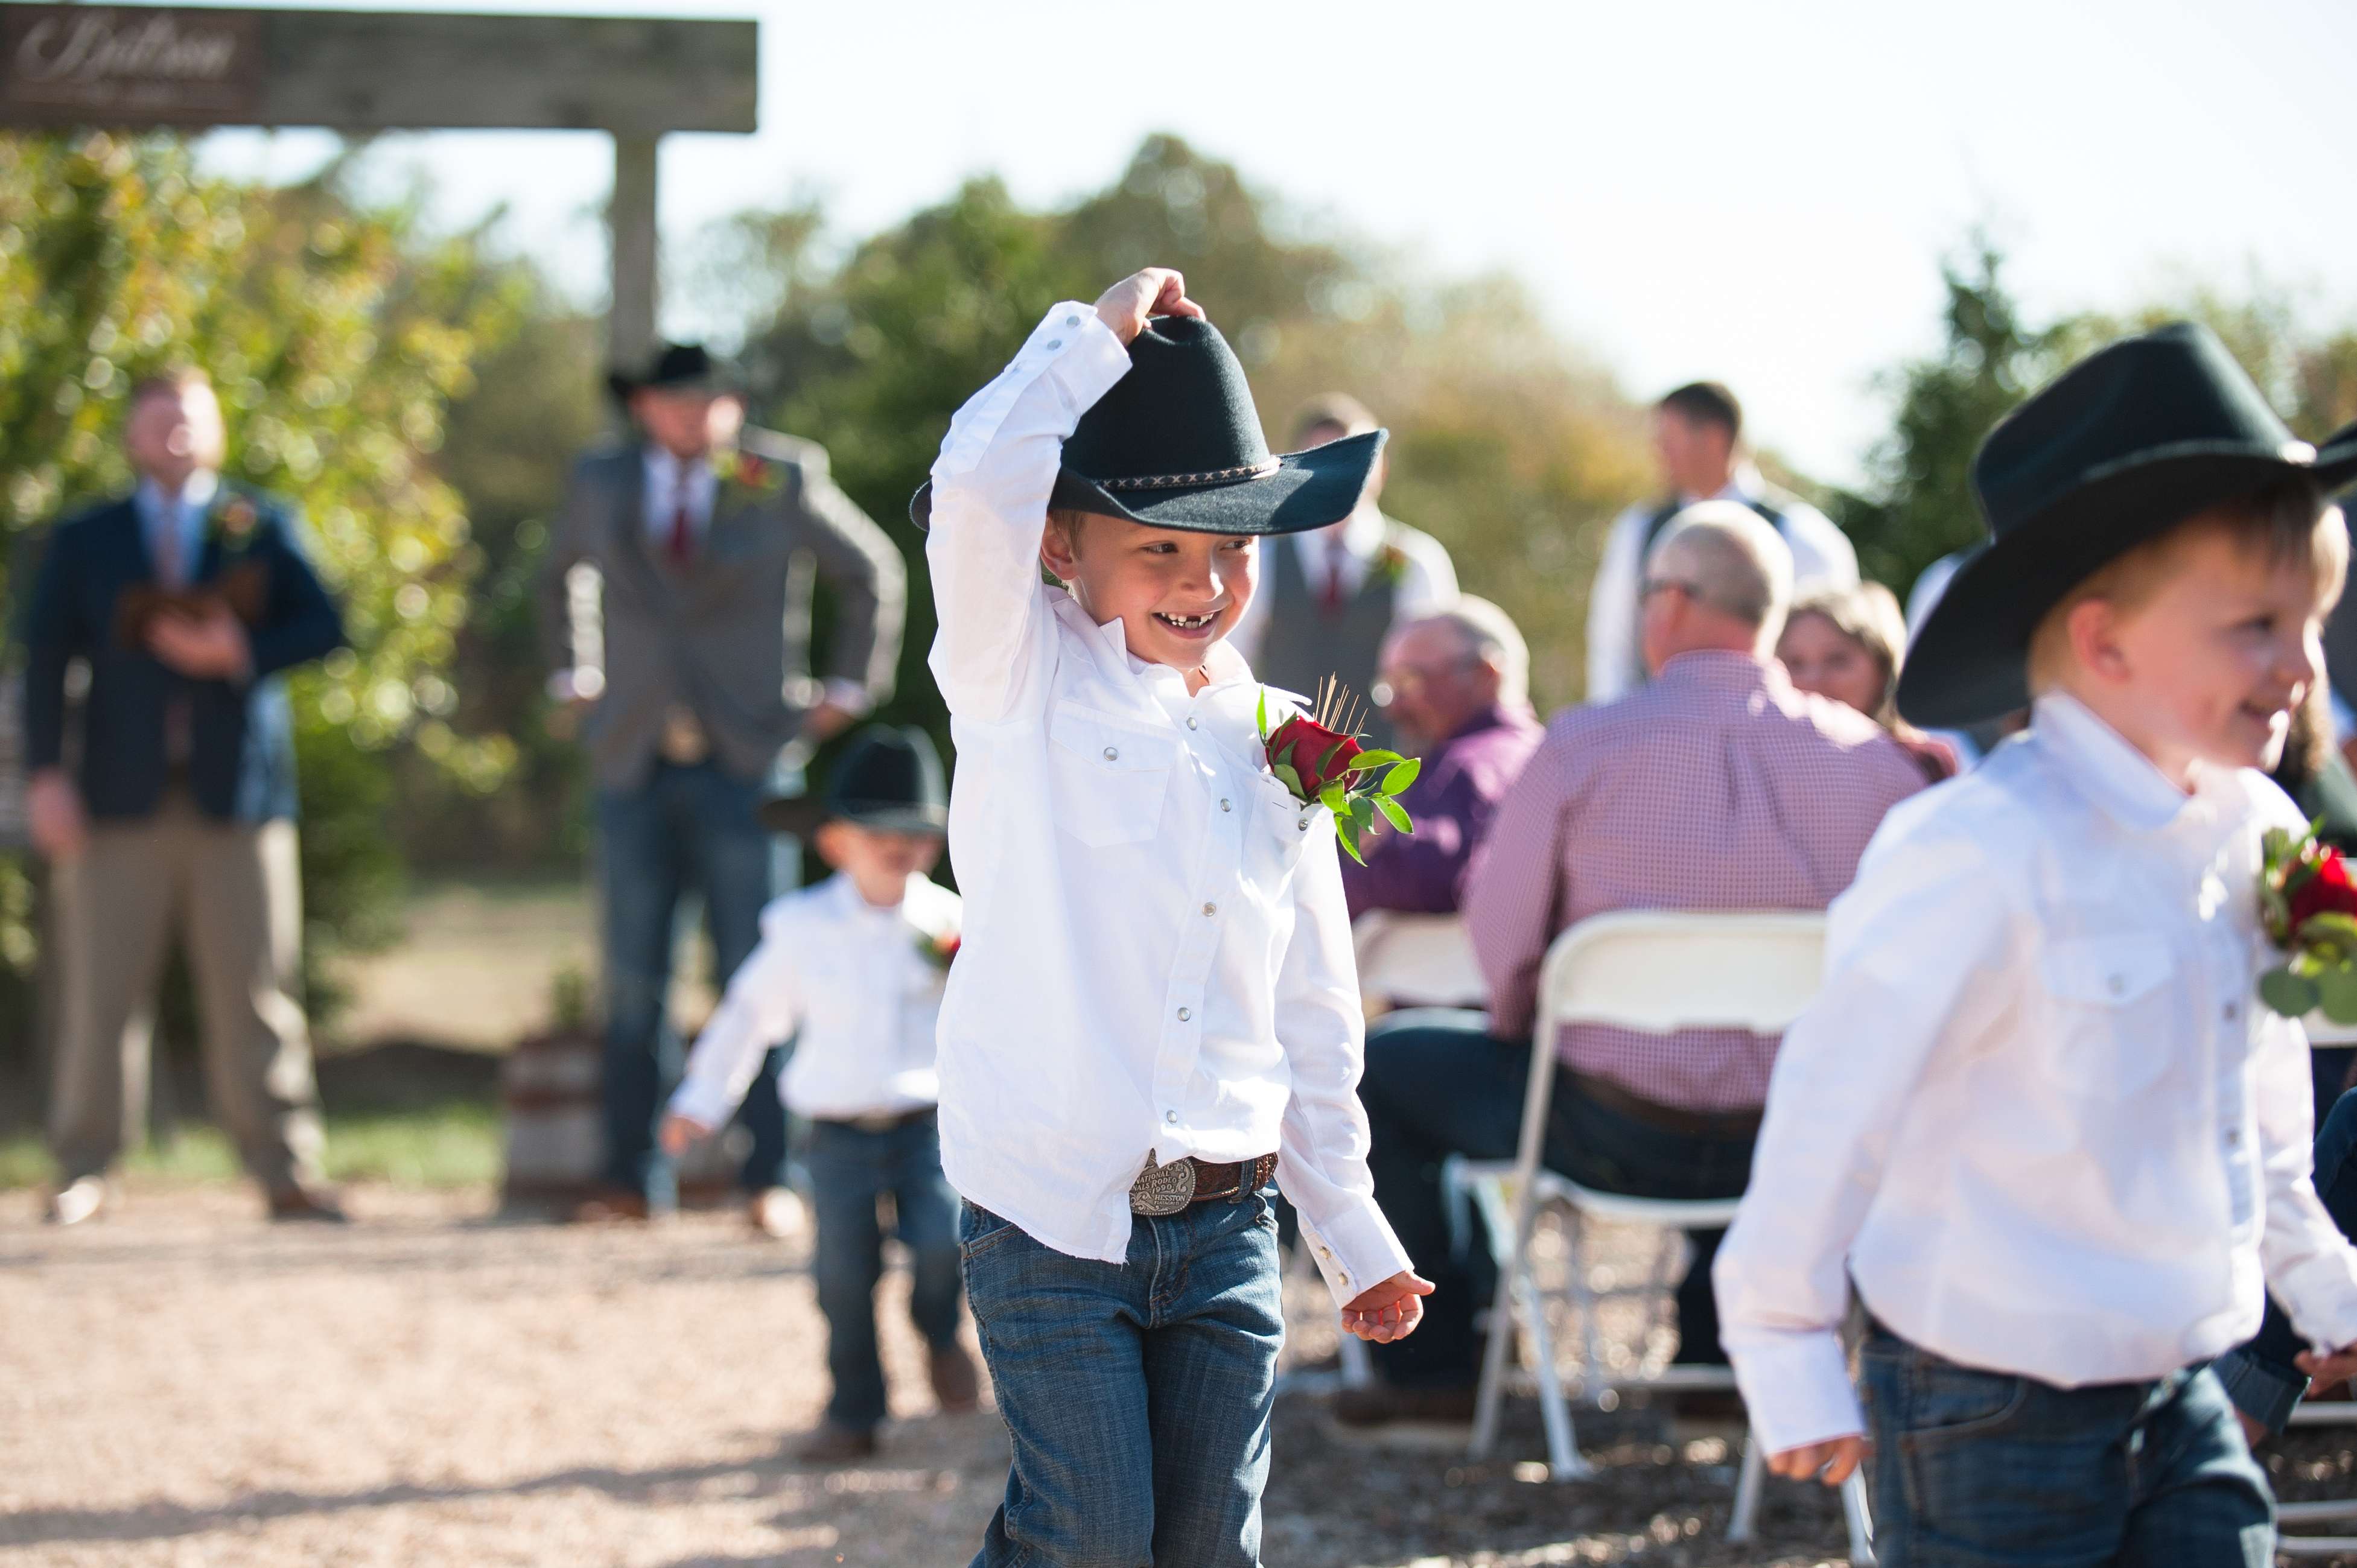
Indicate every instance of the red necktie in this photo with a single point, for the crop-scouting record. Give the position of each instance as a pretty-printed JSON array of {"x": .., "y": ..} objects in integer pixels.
[
  {"x": 681, "y": 546},
  {"x": 1332, "y": 600}
]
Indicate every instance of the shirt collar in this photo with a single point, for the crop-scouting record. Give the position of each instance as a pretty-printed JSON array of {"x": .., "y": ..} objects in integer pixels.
[
  {"x": 2110, "y": 771},
  {"x": 1744, "y": 484},
  {"x": 849, "y": 902},
  {"x": 1719, "y": 669},
  {"x": 1496, "y": 715},
  {"x": 1362, "y": 536},
  {"x": 195, "y": 496},
  {"x": 1222, "y": 665}
]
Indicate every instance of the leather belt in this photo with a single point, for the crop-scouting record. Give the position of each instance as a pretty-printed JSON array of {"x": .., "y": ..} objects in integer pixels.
[
  {"x": 1729, "y": 1124},
  {"x": 1169, "y": 1189},
  {"x": 882, "y": 1121}
]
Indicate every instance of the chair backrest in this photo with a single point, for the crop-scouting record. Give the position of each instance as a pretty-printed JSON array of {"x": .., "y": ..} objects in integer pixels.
[
  {"x": 1418, "y": 961},
  {"x": 1661, "y": 970}
]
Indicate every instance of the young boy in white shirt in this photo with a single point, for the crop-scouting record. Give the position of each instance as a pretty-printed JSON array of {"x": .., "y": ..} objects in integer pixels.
[
  {"x": 1157, "y": 1004},
  {"x": 852, "y": 969},
  {"x": 2039, "y": 1116}
]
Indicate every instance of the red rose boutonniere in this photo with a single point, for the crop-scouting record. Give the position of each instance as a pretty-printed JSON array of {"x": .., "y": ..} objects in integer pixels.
[
  {"x": 234, "y": 520},
  {"x": 742, "y": 468},
  {"x": 1318, "y": 757},
  {"x": 940, "y": 951},
  {"x": 2309, "y": 903},
  {"x": 1391, "y": 565}
]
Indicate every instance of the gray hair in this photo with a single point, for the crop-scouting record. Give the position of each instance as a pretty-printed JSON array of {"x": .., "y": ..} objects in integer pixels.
[
  {"x": 1490, "y": 637},
  {"x": 1734, "y": 561}
]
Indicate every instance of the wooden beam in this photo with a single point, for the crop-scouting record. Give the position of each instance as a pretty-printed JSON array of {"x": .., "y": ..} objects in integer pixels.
[
  {"x": 363, "y": 70},
  {"x": 630, "y": 221}
]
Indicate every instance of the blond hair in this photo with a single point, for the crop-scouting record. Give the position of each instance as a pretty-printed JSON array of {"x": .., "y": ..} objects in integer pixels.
[
  {"x": 2286, "y": 523},
  {"x": 1869, "y": 615}
]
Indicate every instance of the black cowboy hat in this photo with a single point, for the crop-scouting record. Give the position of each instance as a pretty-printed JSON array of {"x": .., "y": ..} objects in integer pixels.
[
  {"x": 2123, "y": 446},
  {"x": 675, "y": 367},
  {"x": 888, "y": 778},
  {"x": 1177, "y": 444}
]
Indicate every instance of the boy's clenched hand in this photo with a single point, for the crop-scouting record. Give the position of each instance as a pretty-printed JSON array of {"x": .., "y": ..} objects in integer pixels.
[
  {"x": 1388, "y": 1311},
  {"x": 1832, "y": 1462},
  {"x": 1152, "y": 291},
  {"x": 679, "y": 1132}
]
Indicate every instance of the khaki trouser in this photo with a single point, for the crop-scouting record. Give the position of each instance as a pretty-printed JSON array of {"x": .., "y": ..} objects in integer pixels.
[{"x": 232, "y": 893}]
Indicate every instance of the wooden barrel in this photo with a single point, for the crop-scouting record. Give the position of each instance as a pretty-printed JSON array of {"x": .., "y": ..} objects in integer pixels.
[{"x": 552, "y": 1087}]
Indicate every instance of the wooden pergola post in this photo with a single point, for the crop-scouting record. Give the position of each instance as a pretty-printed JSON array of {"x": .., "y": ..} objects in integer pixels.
[{"x": 630, "y": 221}]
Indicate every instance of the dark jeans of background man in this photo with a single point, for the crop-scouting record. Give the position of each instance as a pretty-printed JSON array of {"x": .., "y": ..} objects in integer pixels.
[
  {"x": 1976, "y": 1468},
  {"x": 849, "y": 1170},
  {"x": 688, "y": 830},
  {"x": 1436, "y": 1085},
  {"x": 2261, "y": 1376}
]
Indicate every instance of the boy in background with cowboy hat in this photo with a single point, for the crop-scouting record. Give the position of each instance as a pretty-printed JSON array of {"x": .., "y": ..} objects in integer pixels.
[
  {"x": 1156, "y": 1006},
  {"x": 2038, "y": 1115},
  {"x": 853, "y": 969}
]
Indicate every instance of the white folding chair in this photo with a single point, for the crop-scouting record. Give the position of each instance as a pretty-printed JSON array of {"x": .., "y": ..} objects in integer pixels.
[
  {"x": 1418, "y": 961},
  {"x": 1658, "y": 971}
]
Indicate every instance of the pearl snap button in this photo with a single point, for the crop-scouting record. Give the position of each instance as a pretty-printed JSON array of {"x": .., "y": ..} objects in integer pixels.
[
  {"x": 1171, "y": 1117},
  {"x": 1303, "y": 824},
  {"x": 1113, "y": 754},
  {"x": 1185, "y": 1013},
  {"x": 2118, "y": 984},
  {"x": 1055, "y": 342},
  {"x": 1225, "y": 807},
  {"x": 1193, "y": 724},
  {"x": 1072, "y": 321},
  {"x": 1210, "y": 909}
]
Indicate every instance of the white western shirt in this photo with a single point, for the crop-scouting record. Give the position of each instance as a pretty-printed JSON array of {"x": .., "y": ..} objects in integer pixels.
[
  {"x": 1427, "y": 579},
  {"x": 2037, "y": 1113},
  {"x": 852, "y": 984},
  {"x": 1822, "y": 557},
  {"x": 1157, "y": 956}
]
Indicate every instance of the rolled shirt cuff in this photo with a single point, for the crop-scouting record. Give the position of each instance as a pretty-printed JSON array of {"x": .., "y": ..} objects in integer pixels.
[
  {"x": 704, "y": 1102},
  {"x": 2267, "y": 1394},
  {"x": 1354, "y": 1249},
  {"x": 851, "y": 696},
  {"x": 2320, "y": 1297},
  {"x": 1795, "y": 1386}
]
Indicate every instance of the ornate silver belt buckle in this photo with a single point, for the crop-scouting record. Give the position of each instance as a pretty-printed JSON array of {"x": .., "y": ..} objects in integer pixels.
[{"x": 1162, "y": 1189}]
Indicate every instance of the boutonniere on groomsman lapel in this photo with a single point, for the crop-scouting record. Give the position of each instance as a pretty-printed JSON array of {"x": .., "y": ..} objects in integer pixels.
[
  {"x": 1317, "y": 756},
  {"x": 1391, "y": 565},
  {"x": 735, "y": 465},
  {"x": 234, "y": 518},
  {"x": 2309, "y": 905},
  {"x": 940, "y": 951}
]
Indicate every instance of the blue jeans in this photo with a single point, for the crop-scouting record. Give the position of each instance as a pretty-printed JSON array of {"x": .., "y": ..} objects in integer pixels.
[
  {"x": 1436, "y": 1085},
  {"x": 849, "y": 1170},
  {"x": 1977, "y": 1469},
  {"x": 2260, "y": 1377},
  {"x": 1137, "y": 1395},
  {"x": 685, "y": 829}
]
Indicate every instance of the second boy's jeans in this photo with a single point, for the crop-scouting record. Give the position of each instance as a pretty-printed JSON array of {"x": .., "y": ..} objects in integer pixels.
[
  {"x": 1975, "y": 1469},
  {"x": 1137, "y": 1396},
  {"x": 849, "y": 1170}
]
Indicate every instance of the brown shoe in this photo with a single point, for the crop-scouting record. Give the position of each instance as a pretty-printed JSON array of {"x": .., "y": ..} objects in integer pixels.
[
  {"x": 84, "y": 1197},
  {"x": 610, "y": 1205},
  {"x": 1379, "y": 1405},
  {"x": 832, "y": 1444},
  {"x": 300, "y": 1205},
  {"x": 775, "y": 1212},
  {"x": 957, "y": 1383}
]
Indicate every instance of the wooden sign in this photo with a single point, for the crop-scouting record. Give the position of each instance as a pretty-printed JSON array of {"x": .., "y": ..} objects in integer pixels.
[{"x": 134, "y": 66}]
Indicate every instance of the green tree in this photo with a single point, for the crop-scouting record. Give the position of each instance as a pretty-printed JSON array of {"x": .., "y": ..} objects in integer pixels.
[{"x": 337, "y": 336}]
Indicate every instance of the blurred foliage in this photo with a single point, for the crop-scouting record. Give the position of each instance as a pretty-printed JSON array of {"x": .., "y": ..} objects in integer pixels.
[
  {"x": 337, "y": 336},
  {"x": 1507, "y": 444}
]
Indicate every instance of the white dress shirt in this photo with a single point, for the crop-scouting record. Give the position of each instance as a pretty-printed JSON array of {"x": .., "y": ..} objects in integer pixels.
[
  {"x": 851, "y": 985},
  {"x": 666, "y": 475},
  {"x": 2037, "y": 1113},
  {"x": 1427, "y": 578},
  {"x": 1822, "y": 557},
  {"x": 1157, "y": 954},
  {"x": 184, "y": 515}
]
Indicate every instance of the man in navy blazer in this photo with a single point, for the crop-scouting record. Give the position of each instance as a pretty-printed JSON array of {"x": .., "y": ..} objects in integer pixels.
[{"x": 186, "y": 600}]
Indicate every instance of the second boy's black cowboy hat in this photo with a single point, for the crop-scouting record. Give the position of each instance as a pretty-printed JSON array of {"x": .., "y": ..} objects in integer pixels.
[
  {"x": 675, "y": 367},
  {"x": 2125, "y": 444},
  {"x": 1178, "y": 444},
  {"x": 888, "y": 778}
]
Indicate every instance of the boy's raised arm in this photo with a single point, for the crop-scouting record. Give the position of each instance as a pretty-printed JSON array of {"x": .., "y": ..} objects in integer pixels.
[
  {"x": 1902, "y": 946},
  {"x": 761, "y": 1007}
]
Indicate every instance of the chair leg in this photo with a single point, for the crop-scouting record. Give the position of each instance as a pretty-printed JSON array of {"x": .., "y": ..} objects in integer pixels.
[
  {"x": 1358, "y": 1368},
  {"x": 1564, "y": 1461},
  {"x": 1859, "y": 1518},
  {"x": 1748, "y": 1478},
  {"x": 1502, "y": 1307},
  {"x": 1592, "y": 1379}
]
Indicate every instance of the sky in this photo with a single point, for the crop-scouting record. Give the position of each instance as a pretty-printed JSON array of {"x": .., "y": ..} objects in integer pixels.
[{"x": 1757, "y": 193}]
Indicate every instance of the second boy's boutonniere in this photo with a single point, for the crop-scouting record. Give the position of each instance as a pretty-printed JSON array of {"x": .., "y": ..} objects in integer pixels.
[
  {"x": 940, "y": 951},
  {"x": 1391, "y": 565},
  {"x": 234, "y": 520},
  {"x": 737, "y": 466},
  {"x": 1318, "y": 758},
  {"x": 2309, "y": 905}
]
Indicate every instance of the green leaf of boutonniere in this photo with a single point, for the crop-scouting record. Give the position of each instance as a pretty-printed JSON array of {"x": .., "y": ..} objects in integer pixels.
[
  {"x": 2291, "y": 994},
  {"x": 1393, "y": 813},
  {"x": 1396, "y": 781},
  {"x": 1260, "y": 720},
  {"x": 2336, "y": 989},
  {"x": 1332, "y": 798}
]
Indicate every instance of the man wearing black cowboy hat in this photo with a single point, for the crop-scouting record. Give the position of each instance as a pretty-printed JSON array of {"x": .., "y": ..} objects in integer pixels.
[
  {"x": 675, "y": 602},
  {"x": 1155, "y": 1006},
  {"x": 853, "y": 970},
  {"x": 2042, "y": 1117}
]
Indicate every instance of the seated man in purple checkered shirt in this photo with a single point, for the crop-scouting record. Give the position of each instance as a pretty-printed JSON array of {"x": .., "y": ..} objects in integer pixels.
[{"x": 1716, "y": 786}]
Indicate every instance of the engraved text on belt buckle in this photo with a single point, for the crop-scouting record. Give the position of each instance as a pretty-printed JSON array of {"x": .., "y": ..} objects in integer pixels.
[{"x": 1162, "y": 1189}]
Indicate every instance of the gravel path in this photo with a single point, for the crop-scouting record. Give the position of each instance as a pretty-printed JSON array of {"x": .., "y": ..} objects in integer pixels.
[{"x": 183, "y": 1385}]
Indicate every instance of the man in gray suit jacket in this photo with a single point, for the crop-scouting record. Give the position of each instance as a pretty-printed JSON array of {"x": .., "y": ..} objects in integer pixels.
[{"x": 675, "y": 601}]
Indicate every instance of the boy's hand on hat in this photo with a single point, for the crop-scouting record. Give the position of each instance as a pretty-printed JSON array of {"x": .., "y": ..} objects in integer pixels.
[
  {"x": 679, "y": 1134},
  {"x": 1388, "y": 1311},
  {"x": 1148, "y": 291},
  {"x": 1832, "y": 1462}
]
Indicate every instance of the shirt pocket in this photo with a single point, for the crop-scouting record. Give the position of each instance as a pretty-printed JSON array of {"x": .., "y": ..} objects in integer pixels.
[
  {"x": 1108, "y": 777},
  {"x": 2117, "y": 1021},
  {"x": 1278, "y": 829}
]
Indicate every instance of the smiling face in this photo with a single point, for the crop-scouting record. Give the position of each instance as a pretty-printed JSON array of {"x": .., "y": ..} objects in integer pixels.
[
  {"x": 2208, "y": 662},
  {"x": 1175, "y": 592},
  {"x": 879, "y": 861}
]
